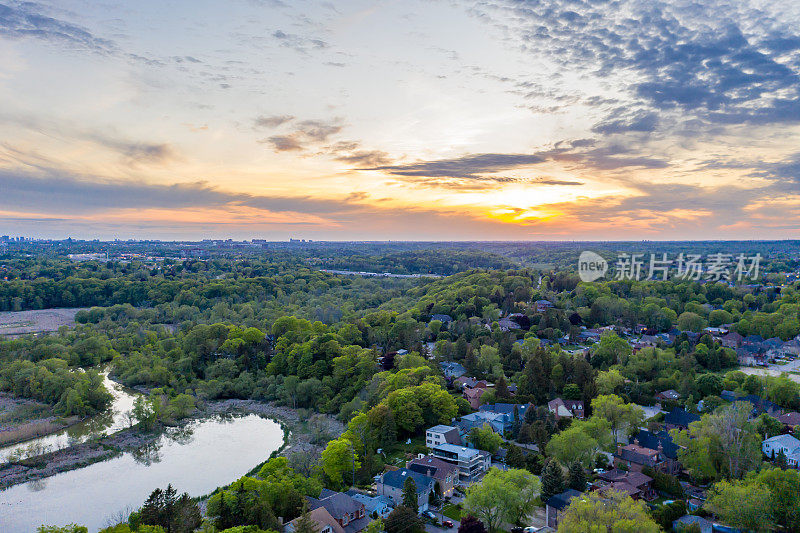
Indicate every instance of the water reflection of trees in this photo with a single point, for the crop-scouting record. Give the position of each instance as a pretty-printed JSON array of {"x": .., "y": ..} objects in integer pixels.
[
  {"x": 181, "y": 435},
  {"x": 37, "y": 485},
  {"x": 148, "y": 453}
]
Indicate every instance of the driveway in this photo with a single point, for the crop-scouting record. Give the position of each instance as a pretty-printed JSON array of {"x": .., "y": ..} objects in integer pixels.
[{"x": 430, "y": 528}]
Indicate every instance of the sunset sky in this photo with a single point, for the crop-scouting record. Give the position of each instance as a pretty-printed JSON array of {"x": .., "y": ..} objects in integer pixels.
[{"x": 425, "y": 120}]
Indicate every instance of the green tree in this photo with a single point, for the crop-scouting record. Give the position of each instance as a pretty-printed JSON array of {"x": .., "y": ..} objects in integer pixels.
[
  {"x": 619, "y": 414},
  {"x": 403, "y": 520},
  {"x": 339, "y": 459},
  {"x": 607, "y": 511},
  {"x": 573, "y": 444},
  {"x": 552, "y": 479},
  {"x": 609, "y": 381},
  {"x": 410, "y": 495},
  {"x": 485, "y": 438},
  {"x": 741, "y": 505},
  {"x": 576, "y": 476},
  {"x": 722, "y": 444},
  {"x": 304, "y": 523},
  {"x": 502, "y": 495}
]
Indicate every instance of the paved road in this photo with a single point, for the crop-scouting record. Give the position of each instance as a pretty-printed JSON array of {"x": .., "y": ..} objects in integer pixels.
[{"x": 433, "y": 529}]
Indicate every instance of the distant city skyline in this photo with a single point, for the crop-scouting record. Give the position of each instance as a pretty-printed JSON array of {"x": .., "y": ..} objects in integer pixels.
[{"x": 400, "y": 120}]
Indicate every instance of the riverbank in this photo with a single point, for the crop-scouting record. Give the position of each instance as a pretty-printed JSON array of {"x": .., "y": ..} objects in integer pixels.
[
  {"x": 301, "y": 434},
  {"x": 22, "y": 420}
]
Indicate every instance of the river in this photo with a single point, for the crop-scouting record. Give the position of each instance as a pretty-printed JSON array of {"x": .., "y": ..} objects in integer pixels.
[
  {"x": 196, "y": 458},
  {"x": 111, "y": 420}
]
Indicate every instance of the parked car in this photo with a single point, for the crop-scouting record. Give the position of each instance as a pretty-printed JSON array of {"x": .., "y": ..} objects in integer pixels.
[{"x": 447, "y": 523}]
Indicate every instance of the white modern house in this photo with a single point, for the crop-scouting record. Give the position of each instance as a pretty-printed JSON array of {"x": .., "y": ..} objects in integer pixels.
[
  {"x": 789, "y": 445},
  {"x": 442, "y": 434},
  {"x": 471, "y": 463}
]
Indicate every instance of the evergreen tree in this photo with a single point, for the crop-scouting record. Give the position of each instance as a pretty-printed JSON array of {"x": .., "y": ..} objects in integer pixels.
[
  {"x": 304, "y": 523},
  {"x": 410, "y": 494},
  {"x": 403, "y": 520},
  {"x": 517, "y": 425},
  {"x": 501, "y": 391},
  {"x": 552, "y": 479},
  {"x": 781, "y": 460},
  {"x": 576, "y": 477},
  {"x": 515, "y": 458}
]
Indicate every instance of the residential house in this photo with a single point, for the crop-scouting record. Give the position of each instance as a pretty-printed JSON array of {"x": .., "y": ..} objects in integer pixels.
[
  {"x": 716, "y": 332},
  {"x": 790, "y": 420},
  {"x": 792, "y": 347},
  {"x": 349, "y": 514},
  {"x": 634, "y": 484},
  {"x": 506, "y": 324},
  {"x": 379, "y": 506},
  {"x": 322, "y": 518},
  {"x": 555, "y": 506},
  {"x": 507, "y": 410},
  {"x": 692, "y": 521},
  {"x": 634, "y": 457},
  {"x": 473, "y": 396},
  {"x": 760, "y": 405},
  {"x": 787, "y": 444},
  {"x": 679, "y": 419},
  {"x": 661, "y": 440},
  {"x": 471, "y": 463},
  {"x": 444, "y": 319},
  {"x": 452, "y": 370},
  {"x": 496, "y": 421},
  {"x": 466, "y": 382},
  {"x": 391, "y": 482},
  {"x": 446, "y": 474},
  {"x": 542, "y": 306},
  {"x": 668, "y": 395},
  {"x": 442, "y": 434},
  {"x": 521, "y": 319},
  {"x": 566, "y": 408}
]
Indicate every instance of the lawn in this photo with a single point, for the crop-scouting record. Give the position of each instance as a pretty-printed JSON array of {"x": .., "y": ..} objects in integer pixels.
[{"x": 453, "y": 512}]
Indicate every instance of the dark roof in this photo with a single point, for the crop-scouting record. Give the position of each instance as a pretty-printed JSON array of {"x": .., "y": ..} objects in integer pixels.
[
  {"x": 396, "y": 478},
  {"x": 760, "y": 405},
  {"x": 561, "y": 501},
  {"x": 651, "y": 440},
  {"x": 790, "y": 419},
  {"x": 638, "y": 454},
  {"x": 505, "y": 408},
  {"x": 754, "y": 338},
  {"x": 437, "y": 467},
  {"x": 680, "y": 417},
  {"x": 635, "y": 479},
  {"x": 337, "y": 504}
]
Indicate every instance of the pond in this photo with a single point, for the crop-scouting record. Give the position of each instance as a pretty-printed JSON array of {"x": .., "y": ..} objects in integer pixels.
[{"x": 196, "y": 459}]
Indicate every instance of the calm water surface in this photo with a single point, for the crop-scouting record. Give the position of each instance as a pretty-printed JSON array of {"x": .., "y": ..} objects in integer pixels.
[{"x": 195, "y": 459}]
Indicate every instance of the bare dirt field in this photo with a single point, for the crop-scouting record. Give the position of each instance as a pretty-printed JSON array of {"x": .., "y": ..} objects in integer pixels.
[{"x": 14, "y": 323}]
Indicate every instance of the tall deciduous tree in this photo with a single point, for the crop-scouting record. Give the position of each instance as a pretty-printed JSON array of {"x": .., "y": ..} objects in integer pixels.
[{"x": 607, "y": 511}]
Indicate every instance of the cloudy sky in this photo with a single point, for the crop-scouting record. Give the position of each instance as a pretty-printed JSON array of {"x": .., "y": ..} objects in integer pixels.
[{"x": 495, "y": 119}]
